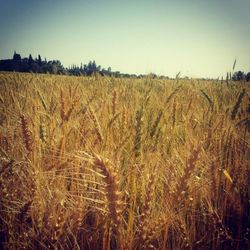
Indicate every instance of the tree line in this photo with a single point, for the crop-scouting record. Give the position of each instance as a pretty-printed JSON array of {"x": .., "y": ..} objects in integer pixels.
[
  {"x": 37, "y": 65},
  {"x": 241, "y": 76}
]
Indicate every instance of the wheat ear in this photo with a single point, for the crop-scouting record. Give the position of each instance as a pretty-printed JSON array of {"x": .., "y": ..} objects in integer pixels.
[
  {"x": 96, "y": 123},
  {"x": 114, "y": 196},
  {"x": 26, "y": 134},
  {"x": 146, "y": 209},
  {"x": 182, "y": 185}
]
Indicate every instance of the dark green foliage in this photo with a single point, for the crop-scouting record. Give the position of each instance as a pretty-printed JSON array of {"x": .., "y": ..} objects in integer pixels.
[
  {"x": 37, "y": 65},
  {"x": 239, "y": 76}
]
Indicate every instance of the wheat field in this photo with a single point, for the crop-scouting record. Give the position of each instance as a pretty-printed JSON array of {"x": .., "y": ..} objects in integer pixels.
[{"x": 115, "y": 163}]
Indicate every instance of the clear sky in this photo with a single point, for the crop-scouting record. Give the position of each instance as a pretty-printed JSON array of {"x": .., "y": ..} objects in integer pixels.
[{"x": 200, "y": 38}]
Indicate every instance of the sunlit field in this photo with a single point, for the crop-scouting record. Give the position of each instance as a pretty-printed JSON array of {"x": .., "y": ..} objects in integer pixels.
[{"x": 116, "y": 163}]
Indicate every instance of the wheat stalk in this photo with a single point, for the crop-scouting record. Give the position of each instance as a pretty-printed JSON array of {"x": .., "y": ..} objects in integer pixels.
[
  {"x": 237, "y": 104},
  {"x": 138, "y": 133}
]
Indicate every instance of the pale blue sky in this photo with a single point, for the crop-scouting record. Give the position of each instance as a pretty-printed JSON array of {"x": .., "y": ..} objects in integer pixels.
[{"x": 197, "y": 37}]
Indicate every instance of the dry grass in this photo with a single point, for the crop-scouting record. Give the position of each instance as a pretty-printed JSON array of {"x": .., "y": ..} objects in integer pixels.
[{"x": 105, "y": 163}]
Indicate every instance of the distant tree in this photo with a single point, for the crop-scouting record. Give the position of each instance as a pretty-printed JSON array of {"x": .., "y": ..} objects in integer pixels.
[
  {"x": 90, "y": 68},
  {"x": 116, "y": 73},
  {"x": 24, "y": 65},
  {"x": 30, "y": 60},
  {"x": 37, "y": 65},
  {"x": 152, "y": 75},
  {"x": 238, "y": 76},
  {"x": 59, "y": 66},
  {"x": 248, "y": 77},
  {"x": 54, "y": 68},
  {"x": 39, "y": 60},
  {"x": 94, "y": 66},
  {"x": 16, "y": 57},
  {"x": 34, "y": 67}
]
